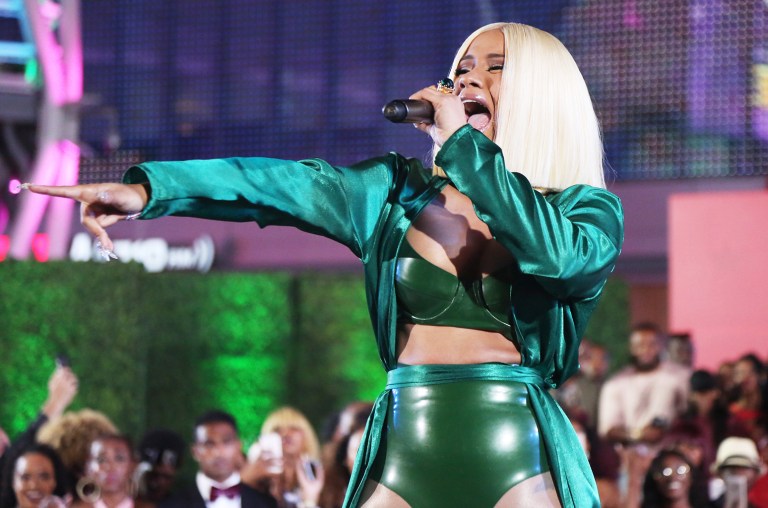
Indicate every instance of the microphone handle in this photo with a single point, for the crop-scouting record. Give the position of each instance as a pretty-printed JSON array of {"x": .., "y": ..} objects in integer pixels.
[{"x": 408, "y": 111}]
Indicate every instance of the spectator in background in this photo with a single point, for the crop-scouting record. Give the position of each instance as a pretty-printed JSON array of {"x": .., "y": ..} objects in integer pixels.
[
  {"x": 738, "y": 466},
  {"x": 725, "y": 379},
  {"x": 703, "y": 422},
  {"x": 679, "y": 349},
  {"x": 638, "y": 404},
  {"x": 580, "y": 395},
  {"x": 71, "y": 436},
  {"x": 108, "y": 479},
  {"x": 160, "y": 457},
  {"x": 62, "y": 388},
  {"x": 339, "y": 454},
  {"x": 342, "y": 423},
  {"x": 218, "y": 451},
  {"x": 4, "y": 442},
  {"x": 299, "y": 479},
  {"x": 670, "y": 482},
  {"x": 34, "y": 477},
  {"x": 747, "y": 411}
]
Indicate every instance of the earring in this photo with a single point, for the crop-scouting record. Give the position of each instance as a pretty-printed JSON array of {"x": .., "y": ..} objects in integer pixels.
[{"x": 88, "y": 489}]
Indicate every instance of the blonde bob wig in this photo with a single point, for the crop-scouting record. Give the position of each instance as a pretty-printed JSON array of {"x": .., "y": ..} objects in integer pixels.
[
  {"x": 546, "y": 124},
  {"x": 287, "y": 416}
]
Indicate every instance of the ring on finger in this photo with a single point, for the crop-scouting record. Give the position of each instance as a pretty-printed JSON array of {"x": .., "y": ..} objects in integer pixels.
[{"x": 445, "y": 86}]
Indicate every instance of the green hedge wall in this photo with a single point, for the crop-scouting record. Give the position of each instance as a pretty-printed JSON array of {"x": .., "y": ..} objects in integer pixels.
[{"x": 158, "y": 349}]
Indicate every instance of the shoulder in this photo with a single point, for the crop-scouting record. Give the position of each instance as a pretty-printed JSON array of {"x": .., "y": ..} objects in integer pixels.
[
  {"x": 582, "y": 196},
  {"x": 592, "y": 206},
  {"x": 619, "y": 378},
  {"x": 673, "y": 370},
  {"x": 188, "y": 496},
  {"x": 252, "y": 498}
]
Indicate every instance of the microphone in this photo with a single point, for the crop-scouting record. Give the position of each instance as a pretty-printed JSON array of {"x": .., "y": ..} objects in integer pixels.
[{"x": 408, "y": 111}]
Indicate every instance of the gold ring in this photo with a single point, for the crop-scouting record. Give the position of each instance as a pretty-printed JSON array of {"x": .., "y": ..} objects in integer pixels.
[{"x": 445, "y": 85}]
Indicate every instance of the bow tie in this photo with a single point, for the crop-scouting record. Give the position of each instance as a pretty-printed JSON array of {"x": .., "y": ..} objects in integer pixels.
[{"x": 230, "y": 492}]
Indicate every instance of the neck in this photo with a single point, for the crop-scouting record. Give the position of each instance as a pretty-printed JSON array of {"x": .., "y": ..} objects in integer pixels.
[{"x": 113, "y": 499}]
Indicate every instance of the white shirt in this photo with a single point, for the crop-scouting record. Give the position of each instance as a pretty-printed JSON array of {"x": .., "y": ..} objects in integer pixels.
[
  {"x": 204, "y": 485},
  {"x": 632, "y": 399}
]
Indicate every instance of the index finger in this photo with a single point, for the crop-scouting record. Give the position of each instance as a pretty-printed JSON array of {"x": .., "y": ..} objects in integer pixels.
[{"x": 68, "y": 191}]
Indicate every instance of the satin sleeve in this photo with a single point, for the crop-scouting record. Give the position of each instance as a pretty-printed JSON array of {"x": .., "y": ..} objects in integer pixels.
[
  {"x": 568, "y": 241},
  {"x": 341, "y": 203}
]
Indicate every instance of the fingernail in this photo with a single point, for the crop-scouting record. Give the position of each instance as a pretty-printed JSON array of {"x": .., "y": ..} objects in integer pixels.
[
  {"x": 106, "y": 254},
  {"x": 23, "y": 186}
]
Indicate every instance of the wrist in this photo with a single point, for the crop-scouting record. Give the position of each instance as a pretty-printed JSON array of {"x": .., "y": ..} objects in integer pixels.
[
  {"x": 52, "y": 409},
  {"x": 308, "y": 504}
]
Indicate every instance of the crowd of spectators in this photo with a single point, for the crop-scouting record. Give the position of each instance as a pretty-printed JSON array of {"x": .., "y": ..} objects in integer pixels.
[
  {"x": 658, "y": 433},
  {"x": 80, "y": 459}
]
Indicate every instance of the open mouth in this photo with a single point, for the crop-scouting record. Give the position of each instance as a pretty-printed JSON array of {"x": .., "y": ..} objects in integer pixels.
[
  {"x": 34, "y": 496},
  {"x": 478, "y": 116}
]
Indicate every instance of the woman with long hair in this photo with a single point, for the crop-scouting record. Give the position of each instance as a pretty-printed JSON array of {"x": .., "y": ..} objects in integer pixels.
[
  {"x": 296, "y": 479},
  {"x": 669, "y": 480},
  {"x": 108, "y": 480},
  {"x": 35, "y": 478},
  {"x": 481, "y": 271}
]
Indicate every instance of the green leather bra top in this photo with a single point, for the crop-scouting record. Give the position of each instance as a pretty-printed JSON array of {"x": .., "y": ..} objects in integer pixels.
[{"x": 429, "y": 295}]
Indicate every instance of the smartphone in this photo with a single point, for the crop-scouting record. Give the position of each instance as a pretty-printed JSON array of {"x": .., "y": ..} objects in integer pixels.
[
  {"x": 735, "y": 491},
  {"x": 271, "y": 446},
  {"x": 62, "y": 360},
  {"x": 310, "y": 468}
]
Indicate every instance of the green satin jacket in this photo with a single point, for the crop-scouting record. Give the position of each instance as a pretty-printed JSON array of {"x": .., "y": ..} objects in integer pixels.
[{"x": 565, "y": 244}]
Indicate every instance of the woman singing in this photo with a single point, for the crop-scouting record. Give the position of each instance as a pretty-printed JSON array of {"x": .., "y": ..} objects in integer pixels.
[{"x": 481, "y": 272}]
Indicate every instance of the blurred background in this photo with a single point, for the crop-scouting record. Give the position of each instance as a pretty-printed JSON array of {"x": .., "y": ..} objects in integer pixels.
[{"x": 203, "y": 314}]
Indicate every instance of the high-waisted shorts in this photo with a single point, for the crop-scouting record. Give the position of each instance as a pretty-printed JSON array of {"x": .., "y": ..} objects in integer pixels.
[{"x": 463, "y": 443}]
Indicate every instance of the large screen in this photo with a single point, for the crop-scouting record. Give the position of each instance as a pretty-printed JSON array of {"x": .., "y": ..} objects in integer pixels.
[{"x": 681, "y": 87}]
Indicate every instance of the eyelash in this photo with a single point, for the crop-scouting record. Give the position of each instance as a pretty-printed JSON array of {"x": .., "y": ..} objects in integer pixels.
[{"x": 459, "y": 72}]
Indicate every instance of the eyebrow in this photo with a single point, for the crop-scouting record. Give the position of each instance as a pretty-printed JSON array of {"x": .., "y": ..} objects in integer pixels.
[{"x": 489, "y": 55}]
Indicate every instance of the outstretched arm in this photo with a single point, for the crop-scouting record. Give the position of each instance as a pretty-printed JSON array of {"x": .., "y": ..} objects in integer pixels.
[{"x": 101, "y": 204}]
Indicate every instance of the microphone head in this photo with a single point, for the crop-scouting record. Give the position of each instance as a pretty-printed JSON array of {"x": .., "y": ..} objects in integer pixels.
[
  {"x": 408, "y": 111},
  {"x": 395, "y": 111}
]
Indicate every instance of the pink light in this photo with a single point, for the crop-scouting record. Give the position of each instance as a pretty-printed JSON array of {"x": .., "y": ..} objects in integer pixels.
[
  {"x": 14, "y": 186},
  {"x": 60, "y": 211},
  {"x": 40, "y": 247},
  {"x": 5, "y": 244}
]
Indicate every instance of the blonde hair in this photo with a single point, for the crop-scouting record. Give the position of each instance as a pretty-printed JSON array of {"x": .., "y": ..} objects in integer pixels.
[
  {"x": 287, "y": 416},
  {"x": 71, "y": 436},
  {"x": 546, "y": 124}
]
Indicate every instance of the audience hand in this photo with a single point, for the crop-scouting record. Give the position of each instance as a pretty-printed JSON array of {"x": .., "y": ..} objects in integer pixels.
[
  {"x": 310, "y": 487},
  {"x": 62, "y": 388},
  {"x": 263, "y": 468}
]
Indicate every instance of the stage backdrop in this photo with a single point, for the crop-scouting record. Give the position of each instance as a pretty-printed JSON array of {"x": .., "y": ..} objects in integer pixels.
[
  {"x": 158, "y": 349},
  {"x": 718, "y": 275}
]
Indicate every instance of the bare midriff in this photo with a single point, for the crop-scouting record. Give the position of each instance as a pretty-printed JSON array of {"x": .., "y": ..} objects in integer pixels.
[{"x": 424, "y": 344}]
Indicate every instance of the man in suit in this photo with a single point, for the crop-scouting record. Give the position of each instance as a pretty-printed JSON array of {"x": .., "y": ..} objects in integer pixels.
[{"x": 218, "y": 452}]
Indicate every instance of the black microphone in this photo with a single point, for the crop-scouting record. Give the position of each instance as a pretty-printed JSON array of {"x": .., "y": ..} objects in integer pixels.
[{"x": 408, "y": 111}]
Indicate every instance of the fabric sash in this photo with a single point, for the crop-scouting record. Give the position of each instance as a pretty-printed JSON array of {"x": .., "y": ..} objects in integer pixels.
[{"x": 570, "y": 470}]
